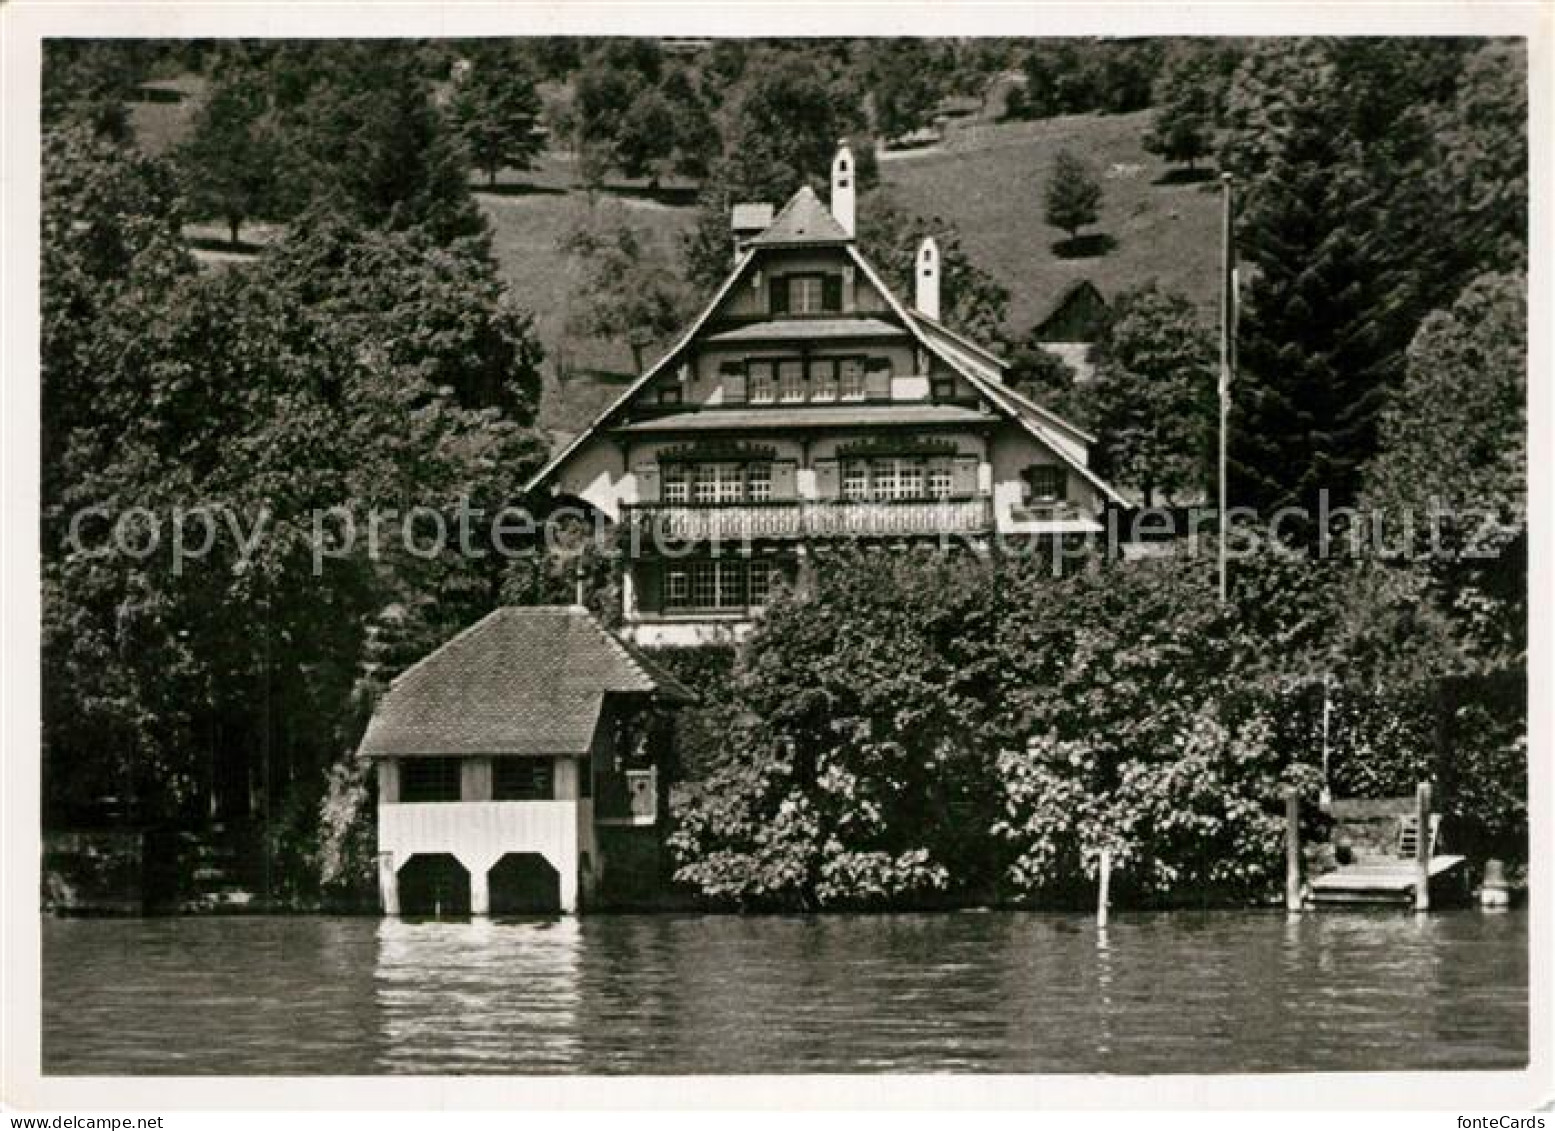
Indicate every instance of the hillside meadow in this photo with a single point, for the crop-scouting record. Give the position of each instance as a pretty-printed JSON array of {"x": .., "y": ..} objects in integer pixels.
[{"x": 984, "y": 178}]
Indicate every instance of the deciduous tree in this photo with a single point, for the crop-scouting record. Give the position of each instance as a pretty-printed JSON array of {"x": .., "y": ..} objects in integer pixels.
[
  {"x": 1072, "y": 198},
  {"x": 496, "y": 113}
]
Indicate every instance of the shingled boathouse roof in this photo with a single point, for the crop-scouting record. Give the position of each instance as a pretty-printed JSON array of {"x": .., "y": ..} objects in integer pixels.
[{"x": 522, "y": 681}]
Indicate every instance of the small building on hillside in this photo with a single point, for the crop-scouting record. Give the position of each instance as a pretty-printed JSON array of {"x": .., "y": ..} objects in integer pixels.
[
  {"x": 1074, "y": 323},
  {"x": 518, "y": 765}
]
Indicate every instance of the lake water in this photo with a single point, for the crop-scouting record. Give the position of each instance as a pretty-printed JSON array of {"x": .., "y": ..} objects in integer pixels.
[{"x": 1220, "y": 991}]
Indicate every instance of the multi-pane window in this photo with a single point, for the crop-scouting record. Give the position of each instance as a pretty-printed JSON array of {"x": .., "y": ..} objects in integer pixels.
[
  {"x": 887, "y": 480},
  {"x": 429, "y": 779},
  {"x": 714, "y": 483},
  {"x": 897, "y": 478},
  {"x": 794, "y": 380},
  {"x": 677, "y": 588},
  {"x": 758, "y": 482},
  {"x": 759, "y": 581},
  {"x": 791, "y": 381},
  {"x": 851, "y": 379},
  {"x": 806, "y": 294},
  {"x": 718, "y": 483},
  {"x": 855, "y": 479},
  {"x": 677, "y": 485},
  {"x": 940, "y": 480},
  {"x": 725, "y": 583},
  {"x": 704, "y": 584},
  {"x": 522, "y": 779},
  {"x": 730, "y": 480},
  {"x": 823, "y": 380},
  {"x": 763, "y": 387}
]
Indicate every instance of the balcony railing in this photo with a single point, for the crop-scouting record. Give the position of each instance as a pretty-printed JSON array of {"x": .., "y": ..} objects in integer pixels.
[{"x": 810, "y": 518}]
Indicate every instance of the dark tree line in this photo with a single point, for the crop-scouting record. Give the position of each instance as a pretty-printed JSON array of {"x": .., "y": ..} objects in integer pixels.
[{"x": 369, "y": 359}]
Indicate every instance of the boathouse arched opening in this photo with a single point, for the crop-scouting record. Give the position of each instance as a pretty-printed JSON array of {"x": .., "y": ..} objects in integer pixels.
[
  {"x": 434, "y": 885},
  {"x": 525, "y": 883}
]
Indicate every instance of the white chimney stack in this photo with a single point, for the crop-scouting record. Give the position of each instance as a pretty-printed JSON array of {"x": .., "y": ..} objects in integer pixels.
[
  {"x": 842, "y": 187},
  {"x": 926, "y": 272}
]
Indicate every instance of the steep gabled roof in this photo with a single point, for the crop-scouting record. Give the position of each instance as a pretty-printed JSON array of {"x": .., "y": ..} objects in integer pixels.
[
  {"x": 803, "y": 221},
  {"x": 1080, "y": 289},
  {"x": 521, "y": 681}
]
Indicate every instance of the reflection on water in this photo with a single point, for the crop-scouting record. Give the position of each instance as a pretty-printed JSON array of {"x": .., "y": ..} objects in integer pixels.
[
  {"x": 461, "y": 996},
  {"x": 992, "y": 992}
]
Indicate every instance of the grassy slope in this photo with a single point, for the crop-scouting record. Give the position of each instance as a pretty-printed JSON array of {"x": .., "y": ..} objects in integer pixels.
[
  {"x": 988, "y": 181},
  {"x": 528, "y": 218}
]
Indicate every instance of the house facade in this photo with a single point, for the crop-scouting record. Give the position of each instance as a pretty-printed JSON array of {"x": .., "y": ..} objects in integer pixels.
[
  {"x": 519, "y": 768},
  {"x": 807, "y": 405}
]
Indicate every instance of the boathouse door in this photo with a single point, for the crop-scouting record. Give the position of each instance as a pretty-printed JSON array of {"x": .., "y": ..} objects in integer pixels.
[
  {"x": 434, "y": 885},
  {"x": 525, "y": 883}
]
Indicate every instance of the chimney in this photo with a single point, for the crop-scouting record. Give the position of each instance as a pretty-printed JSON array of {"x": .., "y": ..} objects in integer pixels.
[
  {"x": 842, "y": 187},
  {"x": 747, "y": 222},
  {"x": 926, "y": 272}
]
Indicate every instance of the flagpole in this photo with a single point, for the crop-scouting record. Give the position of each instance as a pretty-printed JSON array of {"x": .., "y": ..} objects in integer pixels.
[{"x": 1227, "y": 314}]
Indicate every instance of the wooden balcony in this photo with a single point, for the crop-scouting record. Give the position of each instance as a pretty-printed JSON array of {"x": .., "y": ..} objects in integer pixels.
[{"x": 809, "y": 518}]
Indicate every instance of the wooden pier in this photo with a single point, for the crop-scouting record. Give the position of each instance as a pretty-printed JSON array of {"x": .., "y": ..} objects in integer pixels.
[
  {"x": 1384, "y": 881},
  {"x": 1403, "y": 870}
]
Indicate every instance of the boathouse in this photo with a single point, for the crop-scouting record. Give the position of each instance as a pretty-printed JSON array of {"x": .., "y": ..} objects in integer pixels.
[{"x": 517, "y": 764}]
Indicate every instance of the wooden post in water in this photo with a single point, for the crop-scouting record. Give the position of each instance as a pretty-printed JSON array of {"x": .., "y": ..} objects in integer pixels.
[
  {"x": 1292, "y": 850},
  {"x": 1104, "y": 872},
  {"x": 1423, "y": 846}
]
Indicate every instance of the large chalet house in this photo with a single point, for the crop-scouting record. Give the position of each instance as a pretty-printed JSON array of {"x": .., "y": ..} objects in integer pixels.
[{"x": 805, "y": 405}]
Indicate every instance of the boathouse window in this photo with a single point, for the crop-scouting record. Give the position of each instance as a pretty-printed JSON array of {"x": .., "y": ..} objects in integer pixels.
[
  {"x": 1044, "y": 483},
  {"x": 727, "y": 583},
  {"x": 429, "y": 779},
  {"x": 522, "y": 779}
]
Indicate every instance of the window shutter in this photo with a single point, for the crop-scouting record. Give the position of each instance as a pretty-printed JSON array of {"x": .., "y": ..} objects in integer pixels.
[
  {"x": 647, "y": 482},
  {"x": 734, "y": 382},
  {"x": 648, "y": 580},
  {"x": 963, "y": 477},
  {"x": 877, "y": 379},
  {"x": 827, "y": 483},
  {"x": 777, "y": 287},
  {"x": 831, "y": 292},
  {"x": 784, "y": 474},
  {"x": 1061, "y": 483}
]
